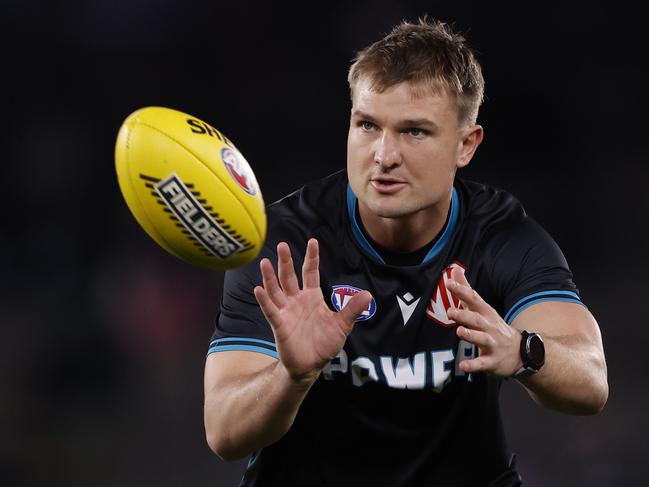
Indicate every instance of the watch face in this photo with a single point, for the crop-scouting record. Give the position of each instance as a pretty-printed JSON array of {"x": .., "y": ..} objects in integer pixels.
[{"x": 536, "y": 350}]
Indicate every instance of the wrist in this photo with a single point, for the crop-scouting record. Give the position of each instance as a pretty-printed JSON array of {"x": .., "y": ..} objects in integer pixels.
[
  {"x": 519, "y": 361},
  {"x": 299, "y": 381},
  {"x": 532, "y": 354}
]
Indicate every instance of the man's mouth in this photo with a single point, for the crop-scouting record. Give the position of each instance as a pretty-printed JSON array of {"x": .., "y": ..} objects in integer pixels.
[{"x": 387, "y": 185}]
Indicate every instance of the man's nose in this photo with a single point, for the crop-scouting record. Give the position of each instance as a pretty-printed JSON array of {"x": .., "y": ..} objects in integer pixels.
[{"x": 387, "y": 152}]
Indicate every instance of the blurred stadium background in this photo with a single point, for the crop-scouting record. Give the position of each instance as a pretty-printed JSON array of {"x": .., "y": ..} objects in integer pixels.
[{"x": 104, "y": 334}]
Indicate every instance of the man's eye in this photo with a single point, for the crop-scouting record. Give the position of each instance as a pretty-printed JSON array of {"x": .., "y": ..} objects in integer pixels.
[
  {"x": 417, "y": 133},
  {"x": 367, "y": 126}
]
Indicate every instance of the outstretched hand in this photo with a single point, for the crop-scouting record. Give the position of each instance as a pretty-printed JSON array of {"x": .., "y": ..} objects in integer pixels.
[
  {"x": 478, "y": 323},
  {"x": 307, "y": 333}
]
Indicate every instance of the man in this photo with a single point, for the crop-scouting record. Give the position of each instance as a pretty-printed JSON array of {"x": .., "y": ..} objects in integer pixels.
[{"x": 420, "y": 293}]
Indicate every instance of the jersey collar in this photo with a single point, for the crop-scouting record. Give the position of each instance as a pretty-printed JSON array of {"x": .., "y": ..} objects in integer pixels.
[{"x": 432, "y": 253}]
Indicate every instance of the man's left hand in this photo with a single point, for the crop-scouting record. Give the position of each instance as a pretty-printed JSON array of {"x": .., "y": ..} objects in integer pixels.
[{"x": 478, "y": 323}]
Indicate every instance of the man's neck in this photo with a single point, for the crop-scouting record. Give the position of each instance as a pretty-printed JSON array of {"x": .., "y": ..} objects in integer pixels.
[{"x": 405, "y": 234}]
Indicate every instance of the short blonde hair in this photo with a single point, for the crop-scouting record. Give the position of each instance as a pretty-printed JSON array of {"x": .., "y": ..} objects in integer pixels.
[{"x": 429, "y": 55}]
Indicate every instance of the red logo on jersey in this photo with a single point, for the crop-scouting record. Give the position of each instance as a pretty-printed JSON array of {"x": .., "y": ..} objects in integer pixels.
[{"x": 442, "y": 300}]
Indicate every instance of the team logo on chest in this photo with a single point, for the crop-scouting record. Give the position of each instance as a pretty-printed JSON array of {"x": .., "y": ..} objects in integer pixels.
[
  {"x": 341, "y": 295},
  {"x": 442, "y": 300}
]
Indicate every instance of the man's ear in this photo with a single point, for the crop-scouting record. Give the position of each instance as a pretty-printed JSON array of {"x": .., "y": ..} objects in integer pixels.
[{"x": 471, "y": 138}]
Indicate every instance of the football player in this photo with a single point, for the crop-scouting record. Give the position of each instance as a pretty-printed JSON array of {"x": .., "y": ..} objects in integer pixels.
[{"x": 419, "y": 293}]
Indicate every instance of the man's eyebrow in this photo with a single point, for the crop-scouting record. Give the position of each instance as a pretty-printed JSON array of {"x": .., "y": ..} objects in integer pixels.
[
  {"x": 360, "y": 114},
  {"x": 418, "y": 122},
  {"x": 414, "y": 122}
]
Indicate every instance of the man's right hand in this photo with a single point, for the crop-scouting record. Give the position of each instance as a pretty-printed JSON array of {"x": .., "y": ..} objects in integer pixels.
[{"x": 307, "y": 333}]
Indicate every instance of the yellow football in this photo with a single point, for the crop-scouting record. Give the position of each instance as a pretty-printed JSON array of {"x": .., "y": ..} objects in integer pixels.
[{"x": 190, "y": 188}]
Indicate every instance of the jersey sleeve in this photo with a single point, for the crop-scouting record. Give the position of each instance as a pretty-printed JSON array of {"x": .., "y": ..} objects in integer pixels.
[
  {"x": 240, "y": 323},
  {"x": 529, "y": 268}
]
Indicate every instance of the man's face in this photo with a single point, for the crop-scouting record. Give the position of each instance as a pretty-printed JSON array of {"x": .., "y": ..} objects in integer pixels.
[{"x": 403, "y": 150}]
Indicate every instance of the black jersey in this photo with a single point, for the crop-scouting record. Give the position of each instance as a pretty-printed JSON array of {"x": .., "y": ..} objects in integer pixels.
[{"x": 393, "y": 408}]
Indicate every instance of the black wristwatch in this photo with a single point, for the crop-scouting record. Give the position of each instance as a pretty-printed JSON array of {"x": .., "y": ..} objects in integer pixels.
[{"x": 532, "y": 353}]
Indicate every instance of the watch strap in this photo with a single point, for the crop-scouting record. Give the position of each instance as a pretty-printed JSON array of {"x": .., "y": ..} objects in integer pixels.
[{"x": 529, "y": 367}]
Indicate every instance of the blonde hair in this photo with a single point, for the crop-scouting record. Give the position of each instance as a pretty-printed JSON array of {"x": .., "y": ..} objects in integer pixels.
[{"x": 429, "y": 55}]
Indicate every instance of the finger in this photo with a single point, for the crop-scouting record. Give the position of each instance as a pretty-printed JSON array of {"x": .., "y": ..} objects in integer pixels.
[
  {"x": 479, "y": 364},
  {"x": 469, "y": 318},
  {"x": 287, "y": 277},
  {"x": 310, "y": 268},
  {"x": 458, "y": 274},
  {"x": 266, "y": 304},
  {"x": 479, "y": 338},
  {"x": 459, "y": 287},
  {"x": 353, "y": 309},
  {"x": 270, "y": 283}
]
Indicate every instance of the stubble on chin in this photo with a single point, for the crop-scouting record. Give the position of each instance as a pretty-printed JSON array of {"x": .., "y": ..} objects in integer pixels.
[{"x": 389, "y": 207}]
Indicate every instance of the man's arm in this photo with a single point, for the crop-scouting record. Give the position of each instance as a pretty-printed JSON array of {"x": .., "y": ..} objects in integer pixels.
[
  {"x": 573, "y": 378},
  {"x": 251, "y": 400}
]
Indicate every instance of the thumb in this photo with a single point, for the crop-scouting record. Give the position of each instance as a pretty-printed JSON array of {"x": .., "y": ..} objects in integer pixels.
[{"x": 355, "y": 307}]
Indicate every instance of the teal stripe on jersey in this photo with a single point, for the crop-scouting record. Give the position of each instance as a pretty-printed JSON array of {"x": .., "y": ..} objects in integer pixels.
[
  {"x": 432, "y": 253},
  {"x": 448, "y": 231},
  {"x": 242, "y": 339},
  {"x": 247, "y": 348},
  {"x": 527, "y": 301},
  {"x": 356, "y": 231}
]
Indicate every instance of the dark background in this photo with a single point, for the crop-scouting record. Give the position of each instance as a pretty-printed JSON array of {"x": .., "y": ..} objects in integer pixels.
[{"x": 104, "y": 334}]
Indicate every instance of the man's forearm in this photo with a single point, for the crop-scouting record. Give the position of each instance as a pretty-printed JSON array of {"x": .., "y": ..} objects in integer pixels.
[
  {"x": 252, "y": 411},
  {"x": 573, "y": 378}
]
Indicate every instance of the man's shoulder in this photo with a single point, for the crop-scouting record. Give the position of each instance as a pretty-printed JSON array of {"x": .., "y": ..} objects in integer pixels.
[
  {"x": 496, "y": 217},
  {"x": 499, "y": 219},
  {"x": 488, "y": 205},
  {"x": 321, "y": 192},
  {"x": 315, "y": 204}
]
